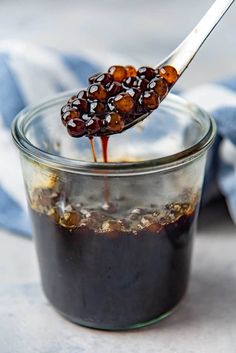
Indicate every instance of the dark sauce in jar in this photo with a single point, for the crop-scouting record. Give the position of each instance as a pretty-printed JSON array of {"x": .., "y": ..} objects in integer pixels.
[{"x": 109, "y": 273}]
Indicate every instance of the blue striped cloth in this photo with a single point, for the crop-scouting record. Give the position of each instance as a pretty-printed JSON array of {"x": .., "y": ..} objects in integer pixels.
[{"x": 29, "y": 73}]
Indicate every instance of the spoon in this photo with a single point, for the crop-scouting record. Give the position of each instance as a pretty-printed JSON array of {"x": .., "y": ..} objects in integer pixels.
[
  {"x": 121, "y": 115},
  {"x": 182, "y": 56}
]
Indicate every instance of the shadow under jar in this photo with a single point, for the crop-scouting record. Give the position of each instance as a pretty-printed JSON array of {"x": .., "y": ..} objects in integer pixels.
[{"x": 114, "y": 240}]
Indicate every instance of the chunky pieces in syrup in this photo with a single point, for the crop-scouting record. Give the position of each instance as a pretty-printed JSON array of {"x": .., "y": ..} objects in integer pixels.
[
  {"x": 115, "y": 98},
  {"x": 114, "y": 122}
]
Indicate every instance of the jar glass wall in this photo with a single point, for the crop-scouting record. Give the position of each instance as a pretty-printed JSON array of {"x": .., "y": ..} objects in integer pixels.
[{"x": 114, "y": 240}]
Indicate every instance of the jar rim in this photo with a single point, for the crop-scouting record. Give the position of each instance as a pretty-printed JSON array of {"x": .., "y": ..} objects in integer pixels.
[{"x": 161, "y": 164}]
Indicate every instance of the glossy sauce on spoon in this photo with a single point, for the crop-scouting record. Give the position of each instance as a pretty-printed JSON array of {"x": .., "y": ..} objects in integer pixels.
[{"x": 115, "y": 101}]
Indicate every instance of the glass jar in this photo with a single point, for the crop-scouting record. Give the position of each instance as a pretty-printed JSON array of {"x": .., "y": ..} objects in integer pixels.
[{"x": 114, "y": 240}]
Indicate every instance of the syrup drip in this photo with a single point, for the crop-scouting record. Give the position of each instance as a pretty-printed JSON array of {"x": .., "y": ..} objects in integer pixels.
[
  {"x": 104, "y": 141},
  {"x": 91, "y": 140}
]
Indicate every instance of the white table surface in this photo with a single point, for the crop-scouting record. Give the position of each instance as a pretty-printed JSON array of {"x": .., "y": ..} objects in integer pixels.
[{"x": 205, "y": 322}]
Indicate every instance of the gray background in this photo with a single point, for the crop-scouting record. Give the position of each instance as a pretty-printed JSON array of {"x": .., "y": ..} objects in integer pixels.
[{"x": 144, "y": 30}]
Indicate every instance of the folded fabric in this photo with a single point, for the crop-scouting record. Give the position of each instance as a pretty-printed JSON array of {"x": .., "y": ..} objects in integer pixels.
[
  {"x": 220, "y": 100},
  {"x": 29, "y": 74}
]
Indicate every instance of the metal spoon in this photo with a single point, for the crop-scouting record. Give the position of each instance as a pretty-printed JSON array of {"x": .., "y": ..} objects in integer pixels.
[{"x": 182, "y": 56}]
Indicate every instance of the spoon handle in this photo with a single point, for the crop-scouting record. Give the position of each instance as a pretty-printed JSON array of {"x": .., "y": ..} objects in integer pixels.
[{"x": 181, "y": 57}]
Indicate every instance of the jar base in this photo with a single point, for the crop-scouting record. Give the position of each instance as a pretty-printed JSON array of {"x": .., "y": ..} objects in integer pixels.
[{"x": 110, "y": 328}]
